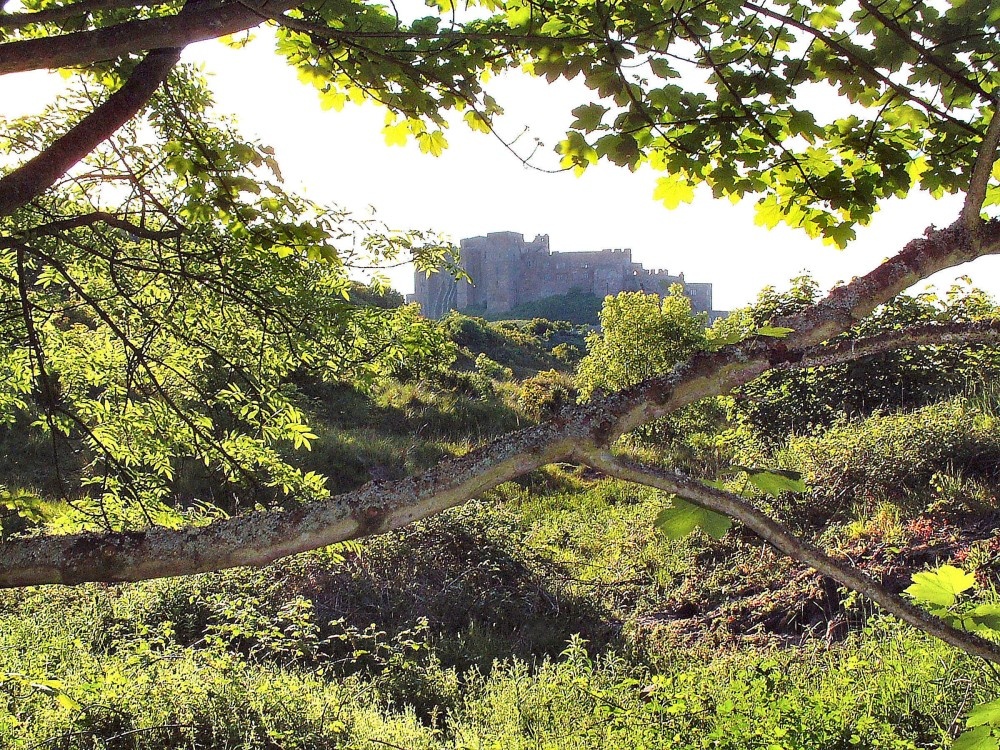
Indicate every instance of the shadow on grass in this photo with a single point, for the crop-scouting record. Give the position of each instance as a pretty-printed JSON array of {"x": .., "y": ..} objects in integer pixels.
[{"x": 468, "y": 577}]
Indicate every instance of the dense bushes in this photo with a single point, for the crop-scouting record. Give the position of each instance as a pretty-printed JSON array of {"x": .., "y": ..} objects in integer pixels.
[
  {"x": 551, "y": 613},
  {"x": 525, "y": 346},
  {"x": 893, "y": 456},
  {"x": 799, "y": 401},
  {"x": 893, "y": 691}
]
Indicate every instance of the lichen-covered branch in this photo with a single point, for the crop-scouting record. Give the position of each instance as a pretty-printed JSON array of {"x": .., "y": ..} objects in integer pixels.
[
  {"x": 779, "y": 537},
  {"x": 931, "y": 334},
  {"x": 262, "y": 537}
]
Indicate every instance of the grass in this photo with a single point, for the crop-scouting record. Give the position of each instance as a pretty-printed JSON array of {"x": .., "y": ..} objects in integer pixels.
[{"x": 887, "y": 689}]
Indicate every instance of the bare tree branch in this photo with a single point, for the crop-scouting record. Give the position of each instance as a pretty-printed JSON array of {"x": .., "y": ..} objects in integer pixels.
[
  {"x": 779, "y": 537},
  {"x": 24, "y": 184},
  {"x": 15, "y": 21},
  {"x": 206, "y": 20}
]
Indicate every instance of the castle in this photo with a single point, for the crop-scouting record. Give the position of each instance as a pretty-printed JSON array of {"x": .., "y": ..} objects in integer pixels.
[{"x": 506, "y": 271}]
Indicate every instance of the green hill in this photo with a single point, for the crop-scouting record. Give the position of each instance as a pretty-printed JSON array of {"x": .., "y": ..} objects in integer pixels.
[{"x": 576, "y": 306}]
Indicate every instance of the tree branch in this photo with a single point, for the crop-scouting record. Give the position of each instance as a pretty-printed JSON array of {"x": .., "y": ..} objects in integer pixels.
[
  {"x": 932, "y": 334},
  {"x": 779, "y": 537},
  {"x": 206, "y": 20},
  {"x": 260, "y": 538},
  {"x": 15, "y": 21},
  {"x": 31, "y": 179},
  {"x": 981, "y": 171},
  {"x": 97, "y": 217}
]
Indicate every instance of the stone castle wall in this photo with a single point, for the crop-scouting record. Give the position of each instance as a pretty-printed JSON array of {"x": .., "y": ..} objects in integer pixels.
[{"x": 507, "y": 270}]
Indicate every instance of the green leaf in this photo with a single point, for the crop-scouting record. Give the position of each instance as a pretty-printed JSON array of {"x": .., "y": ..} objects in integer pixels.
[
  {"x": 332, "y": 99},
  {"x": 673, "y": 190},
  {"x": 662, "y": 68},
  {"x": 839, "y": 234},
  {"x": 433, "y": 143},
  {"x": 681, "y": 518},
  {"x": 66, "y": 701},
  {"x": 477, "y": 122},
  {"x": 980, "y": 738},
  {"x": 396, "y": 134},
  {"x": 55, "y": 688},
  {"x": 827, "y": 18},
  {"x": 773, "y": 481},
  {"x": 768, "y": 212},
  {"x": 588, "y": 117},
  {"x": 985, "y": 617},
  {"x": 576, "y": 152},
  {"x": 941, "y": 586},
  {"x": 985, "y": 714},
  {"x": 733, "y": 337},
  {"x": 776, "y": 332}
]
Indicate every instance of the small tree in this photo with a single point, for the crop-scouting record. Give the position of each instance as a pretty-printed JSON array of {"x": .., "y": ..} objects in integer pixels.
[{"x": 641, "y": 336}]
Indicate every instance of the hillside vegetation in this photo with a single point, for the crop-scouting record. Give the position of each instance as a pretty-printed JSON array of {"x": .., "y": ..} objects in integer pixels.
[{"x": 553, "y": 612}]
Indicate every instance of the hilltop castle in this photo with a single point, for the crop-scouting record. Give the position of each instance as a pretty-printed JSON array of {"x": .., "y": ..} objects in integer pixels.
[{"x": 506, "y": 271}]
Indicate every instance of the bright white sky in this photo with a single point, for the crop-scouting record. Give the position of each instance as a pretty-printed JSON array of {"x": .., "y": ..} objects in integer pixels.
[{"x": 477, "y": 186}]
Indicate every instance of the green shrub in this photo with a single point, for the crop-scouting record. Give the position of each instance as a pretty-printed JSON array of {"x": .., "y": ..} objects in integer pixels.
[
  {"x": 801, "y": 401},
  {"x": 895, "y": 456},
  {"x": 567, "y": 353},
  {"x": 491, "y": 369},
  {"x": 545, "y": 394},
  {"x": 510, "y": 343}
]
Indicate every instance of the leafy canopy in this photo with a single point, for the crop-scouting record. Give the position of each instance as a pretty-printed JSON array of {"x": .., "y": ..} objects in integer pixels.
[
  {"x": 819, "y": 110},
  {"x": 159, "y": 304}
]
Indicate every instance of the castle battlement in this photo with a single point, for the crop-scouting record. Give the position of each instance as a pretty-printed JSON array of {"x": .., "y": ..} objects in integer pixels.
[{"x": 507, "y": 271}]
